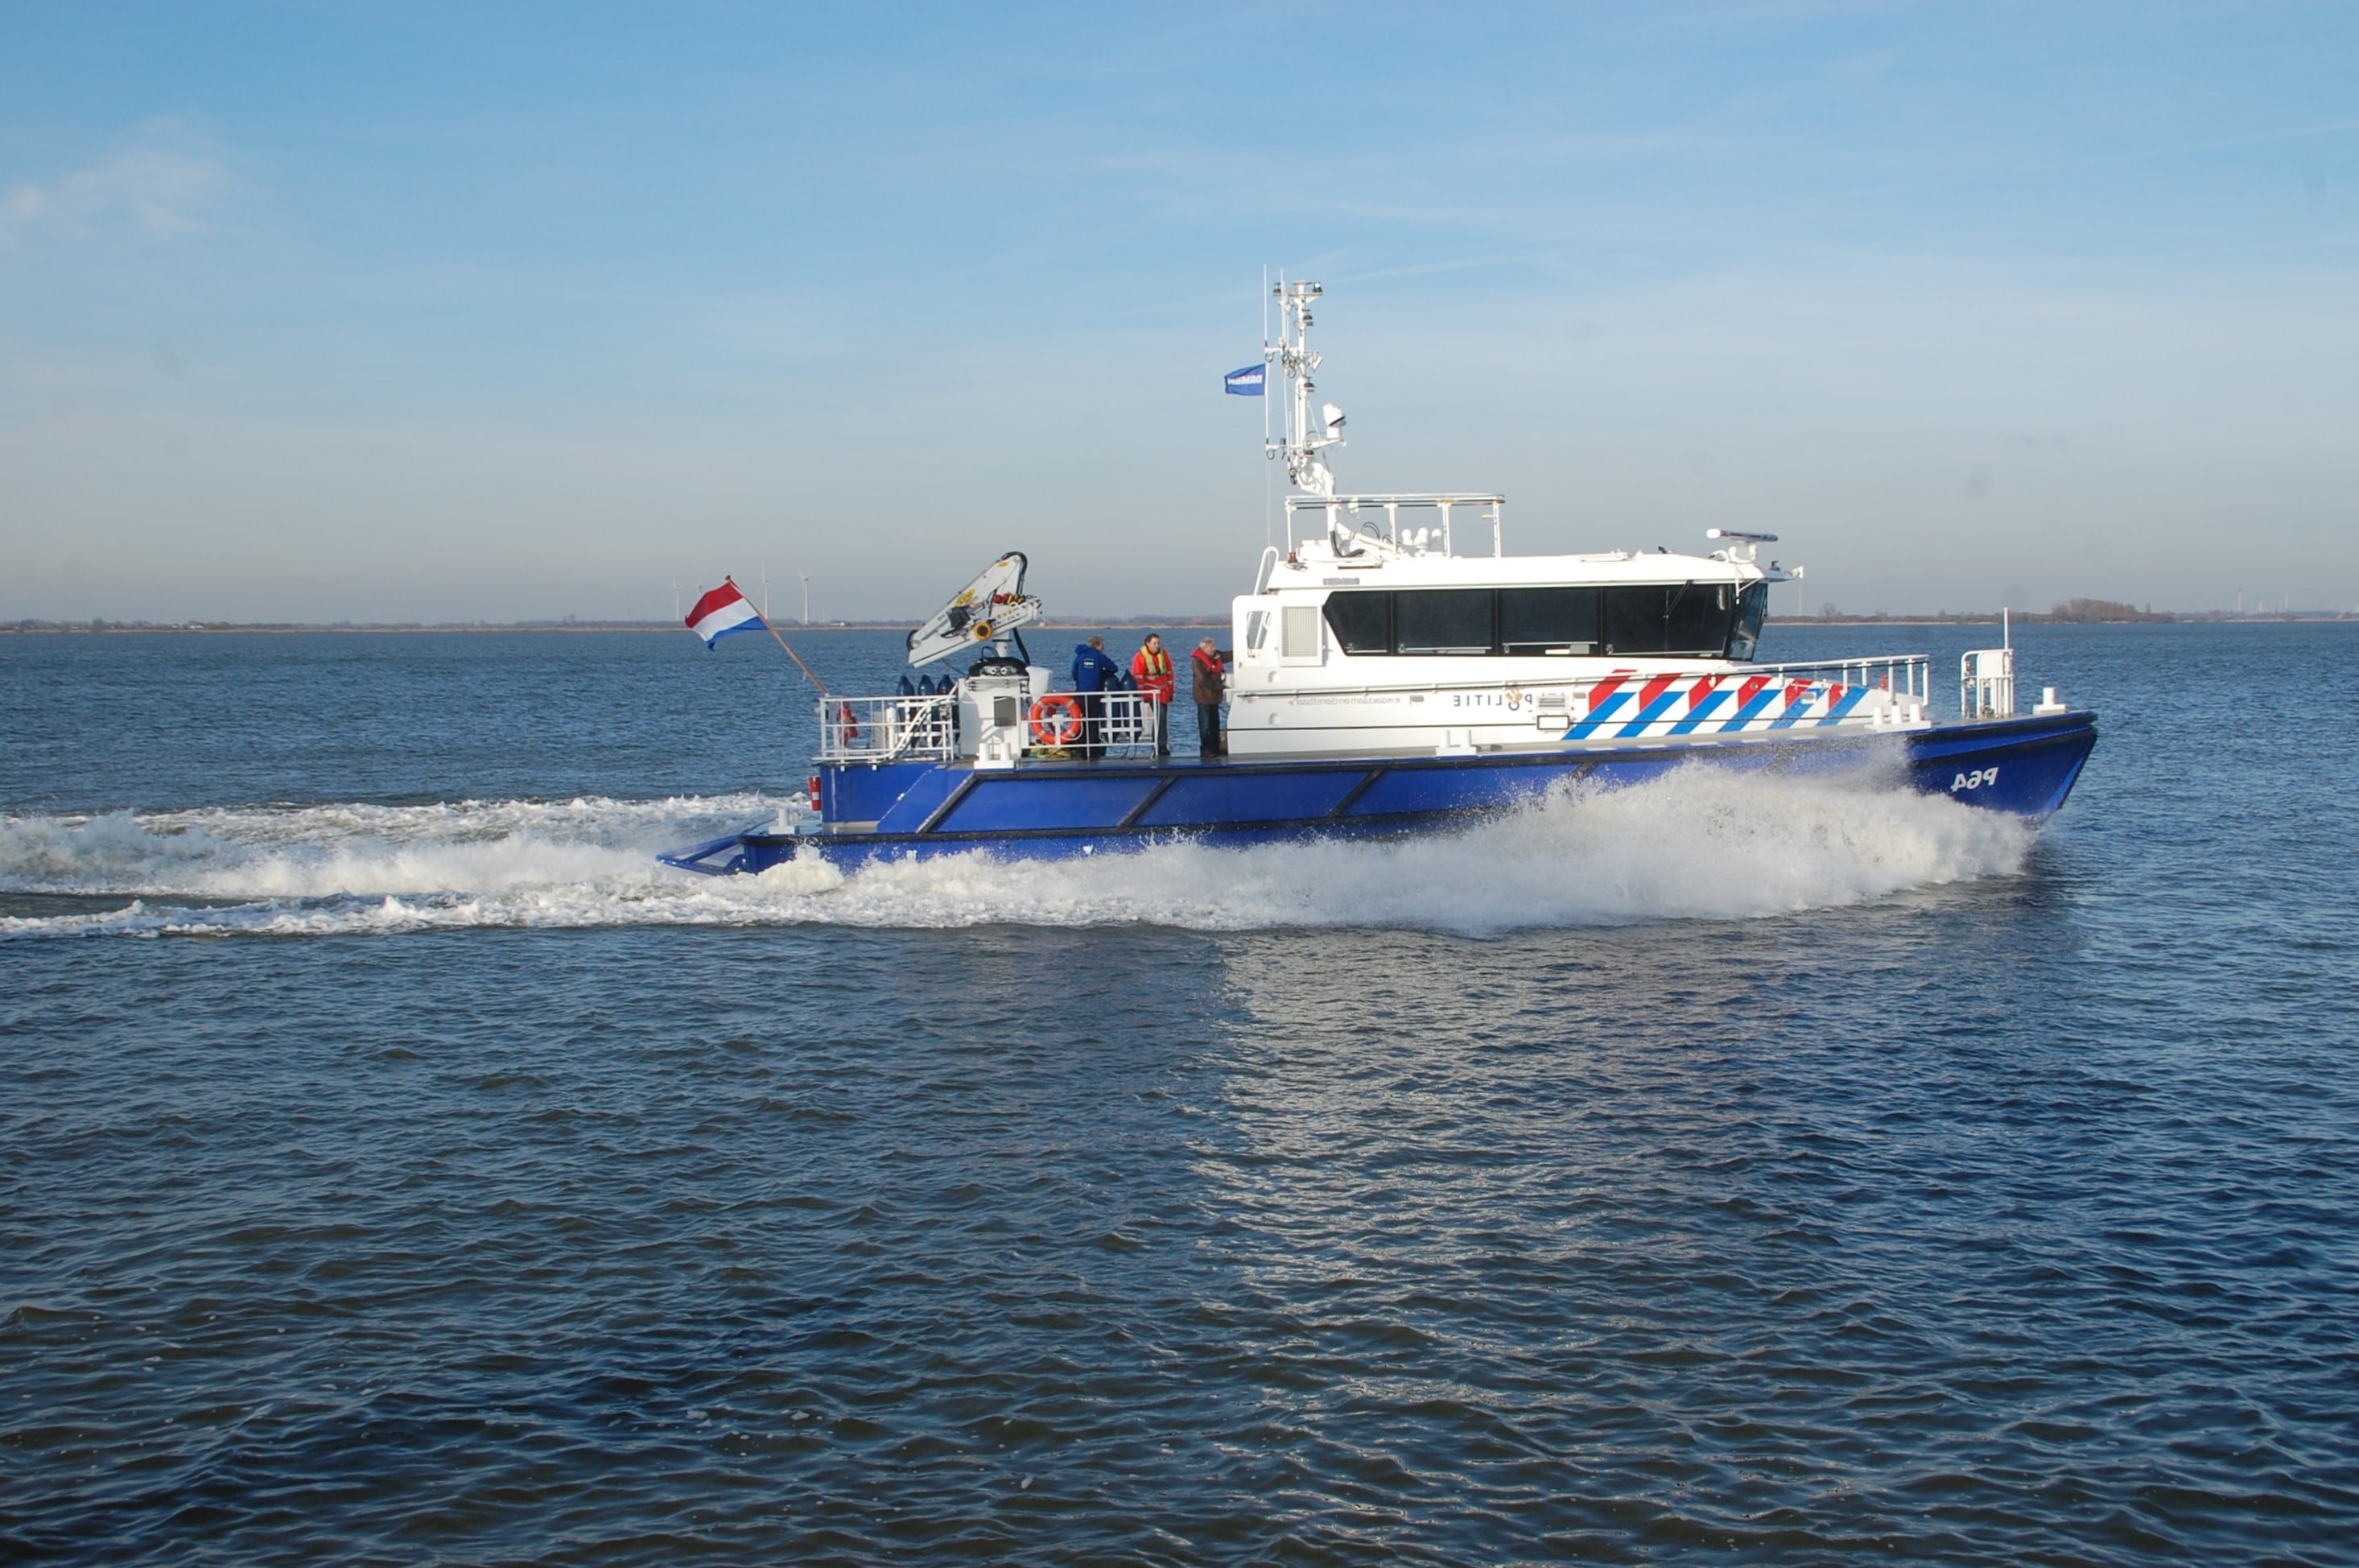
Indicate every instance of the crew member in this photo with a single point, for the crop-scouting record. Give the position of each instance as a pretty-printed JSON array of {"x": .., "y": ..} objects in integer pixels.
[
  {"x": 1151, "y": 668},
  {"x": 1208, "y": 683},
  {"x": 1093, "y": 673}
]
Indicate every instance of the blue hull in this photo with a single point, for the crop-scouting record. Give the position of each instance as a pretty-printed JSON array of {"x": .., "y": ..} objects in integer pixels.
[{"x": 1051, "y": 810}]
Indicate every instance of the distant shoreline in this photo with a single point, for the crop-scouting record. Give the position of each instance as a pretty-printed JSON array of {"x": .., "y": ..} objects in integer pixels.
[
  {"x": 372, "y": 628},
  {"x": 1062, "y": 623}
]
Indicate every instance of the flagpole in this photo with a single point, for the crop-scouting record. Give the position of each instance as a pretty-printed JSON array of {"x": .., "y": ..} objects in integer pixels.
[
  {"x": 1268, "y": 477},
  {"x": 790, "y": 653},
  {"x": 796, "y": 657}
]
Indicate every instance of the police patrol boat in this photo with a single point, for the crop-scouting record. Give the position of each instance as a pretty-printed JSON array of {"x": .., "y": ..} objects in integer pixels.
[{"x": 1395, "y": 670}]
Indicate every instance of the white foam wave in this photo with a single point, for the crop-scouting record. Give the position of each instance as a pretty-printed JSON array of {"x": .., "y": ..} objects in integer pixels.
[{"x": 1697, "y": 843}]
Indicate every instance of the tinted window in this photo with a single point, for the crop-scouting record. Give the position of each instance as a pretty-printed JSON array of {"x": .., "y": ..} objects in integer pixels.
[
  {"x": 1362, "y": 621},
  {"x": 1643, "y": 619},
  {"x": 1633, "y": 619},
  {"x": 1697, "y": 619},
  {"x": 1442, "y": 620},
  {"x": 1547, "y": 620},
  {"x": 1752, "y": 609},
  {"x": 1688, "y": 618}
]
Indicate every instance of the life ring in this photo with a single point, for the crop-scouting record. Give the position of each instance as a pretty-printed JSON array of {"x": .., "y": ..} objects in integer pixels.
[
  {"x": 1049, "y": 730},
  {"x": 847, "y": 728}
]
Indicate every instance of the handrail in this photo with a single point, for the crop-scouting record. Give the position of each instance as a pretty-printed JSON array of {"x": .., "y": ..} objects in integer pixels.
[
  {"x": 1125, "y": 723},
  {"x": 930, "y": 728},
  {"x": 1917, "y": 668},
  {"x": 1987, "y": 683},
  {"x": 888, "y": 729},
  {"x": 1487, "y": 506}
]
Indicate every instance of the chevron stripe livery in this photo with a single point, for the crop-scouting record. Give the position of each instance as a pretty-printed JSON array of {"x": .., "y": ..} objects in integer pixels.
[{"x": 1621, "y": 706}]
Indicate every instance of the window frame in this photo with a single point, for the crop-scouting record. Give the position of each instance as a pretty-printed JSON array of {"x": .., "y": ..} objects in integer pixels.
[
  {"x": 1582, "y": 651},
  {"x": 1343, "y": 642},
  {"x": 1667, "y": 597},
  {"x": 1490, "y": 648}
]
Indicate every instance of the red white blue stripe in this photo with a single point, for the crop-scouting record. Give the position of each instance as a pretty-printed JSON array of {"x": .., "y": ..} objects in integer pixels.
[
  {"x": 1681, "y": 704},
  {"x": 722, "y": 611}
]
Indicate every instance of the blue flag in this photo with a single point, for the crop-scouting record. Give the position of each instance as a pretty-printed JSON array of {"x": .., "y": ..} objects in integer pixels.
[{"x": 1245, "y": 383}]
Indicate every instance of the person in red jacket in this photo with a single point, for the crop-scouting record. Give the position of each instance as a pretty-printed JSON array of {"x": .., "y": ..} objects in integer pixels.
[{"x": 1150, "y": 670}]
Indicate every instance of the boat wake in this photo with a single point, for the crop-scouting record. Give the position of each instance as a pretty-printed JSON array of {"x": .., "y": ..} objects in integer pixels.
[{"x": 1697, "y": 843}]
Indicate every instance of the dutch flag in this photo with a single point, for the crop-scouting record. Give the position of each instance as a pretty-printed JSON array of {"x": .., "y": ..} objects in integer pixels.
[
  {"x": 1245, "y": 383},
  {"x": 722, "y": 611}
]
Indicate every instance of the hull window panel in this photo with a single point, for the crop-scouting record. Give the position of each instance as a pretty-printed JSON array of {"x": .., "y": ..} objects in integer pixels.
[
  {"x": 1362, "y": 622},
  {"x": 1444, "y": 621},
  {"x": 1547, "y": 620}
]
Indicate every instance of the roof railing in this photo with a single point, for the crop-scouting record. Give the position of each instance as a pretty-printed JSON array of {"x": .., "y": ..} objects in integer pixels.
[{"x": 1346, "y": 517}]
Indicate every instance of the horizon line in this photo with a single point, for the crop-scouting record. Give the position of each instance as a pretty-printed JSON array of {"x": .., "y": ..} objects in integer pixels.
[{"x": 37, "y": 627}]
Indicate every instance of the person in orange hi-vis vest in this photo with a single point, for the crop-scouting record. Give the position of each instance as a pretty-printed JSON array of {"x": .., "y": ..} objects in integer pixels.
[{"x": 1150, "y": 670}]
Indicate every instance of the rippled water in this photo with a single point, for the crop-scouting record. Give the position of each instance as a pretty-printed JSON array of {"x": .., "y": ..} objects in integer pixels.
[{"x": 395, "y": 1165}]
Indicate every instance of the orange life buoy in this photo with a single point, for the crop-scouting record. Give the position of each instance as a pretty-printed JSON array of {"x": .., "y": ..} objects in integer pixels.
[{"x": 1048, "y": 728}]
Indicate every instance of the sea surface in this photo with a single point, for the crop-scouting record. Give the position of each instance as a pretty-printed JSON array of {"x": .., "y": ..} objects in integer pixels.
[{"x": 397, "y": 1166}]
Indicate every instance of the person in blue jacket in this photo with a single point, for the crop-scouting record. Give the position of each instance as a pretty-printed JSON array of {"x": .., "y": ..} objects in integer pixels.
[{"x": 1093, "y": 673}]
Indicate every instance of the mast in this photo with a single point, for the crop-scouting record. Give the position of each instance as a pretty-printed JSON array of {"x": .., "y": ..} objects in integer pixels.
[
  {"x": 1297, "y": 359},
  {"x": 1352, "y": 529}
]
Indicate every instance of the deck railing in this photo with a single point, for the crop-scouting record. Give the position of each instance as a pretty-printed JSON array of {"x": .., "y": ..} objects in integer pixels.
[
  {"x": 928, "y": 728},
  {"x": 1907, "y": 676},
  {"x": 889, "y": 729},
  {"x": 1987, "y": 683},
  {"x": 1121, "y": 723}
]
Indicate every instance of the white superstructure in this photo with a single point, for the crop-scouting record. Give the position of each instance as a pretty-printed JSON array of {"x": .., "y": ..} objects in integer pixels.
[{"x": 1378, "y": 627}]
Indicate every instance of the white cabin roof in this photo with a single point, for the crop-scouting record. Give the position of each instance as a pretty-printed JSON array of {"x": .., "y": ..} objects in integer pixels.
[{"x": 1315, "y": 565}]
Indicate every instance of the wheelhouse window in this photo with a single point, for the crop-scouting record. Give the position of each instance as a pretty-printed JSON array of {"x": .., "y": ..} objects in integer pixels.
[
  {"x": 1634, "y": 620},
  {"x": 1689, "y": 620},
  {"x": 1444, "y": 620},
  {"x": 1696, "y": 619},
  {"x": 1752, "y": 609},
  {"x": 1362, "y": 622},
  {"x": 1547, "y": 620}
]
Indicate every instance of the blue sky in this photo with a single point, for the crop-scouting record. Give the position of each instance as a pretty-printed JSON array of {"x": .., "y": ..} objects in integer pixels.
[{"x": 322, "y": 312}]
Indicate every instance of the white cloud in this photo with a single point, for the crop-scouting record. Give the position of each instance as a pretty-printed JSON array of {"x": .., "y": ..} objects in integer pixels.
[{"x": 163, "y": 180}]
